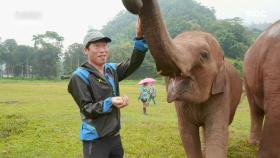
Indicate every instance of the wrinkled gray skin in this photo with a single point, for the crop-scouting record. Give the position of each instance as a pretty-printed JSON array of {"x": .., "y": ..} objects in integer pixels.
[
  {"x": 205, "y": 88},
  {"x": 262, "y": 83}
]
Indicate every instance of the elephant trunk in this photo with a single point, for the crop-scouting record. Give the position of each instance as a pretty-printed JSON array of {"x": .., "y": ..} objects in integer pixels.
[{"x": 160, "y": 43}]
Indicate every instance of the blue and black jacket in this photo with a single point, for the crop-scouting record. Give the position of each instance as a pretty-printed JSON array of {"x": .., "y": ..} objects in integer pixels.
[{"x": 93, "y": 93}]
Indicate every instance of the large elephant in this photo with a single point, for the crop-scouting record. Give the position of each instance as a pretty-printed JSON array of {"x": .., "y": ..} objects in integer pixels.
[
  {"x": 262, "y": 83},
  {"x": 206, "y": 89}
]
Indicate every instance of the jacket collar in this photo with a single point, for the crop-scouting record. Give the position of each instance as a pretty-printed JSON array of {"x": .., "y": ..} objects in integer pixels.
[{"x": 92, "y": 69}]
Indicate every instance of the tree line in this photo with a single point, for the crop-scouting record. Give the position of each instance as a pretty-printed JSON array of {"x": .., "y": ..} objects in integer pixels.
[{"x": 44, "y": 60}]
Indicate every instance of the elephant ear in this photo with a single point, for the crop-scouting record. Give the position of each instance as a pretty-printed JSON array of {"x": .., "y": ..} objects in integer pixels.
[{"x": 219, "y": 83}]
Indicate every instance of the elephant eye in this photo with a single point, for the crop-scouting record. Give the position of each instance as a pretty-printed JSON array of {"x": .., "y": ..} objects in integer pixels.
[{"x": 203, "y": 56}]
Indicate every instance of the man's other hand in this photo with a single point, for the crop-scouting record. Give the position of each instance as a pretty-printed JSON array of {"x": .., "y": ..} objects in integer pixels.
[{"x": 120, "y": 102}]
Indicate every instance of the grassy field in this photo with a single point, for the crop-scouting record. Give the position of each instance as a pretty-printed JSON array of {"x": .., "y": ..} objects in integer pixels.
[{"x": 40, "y": 119}]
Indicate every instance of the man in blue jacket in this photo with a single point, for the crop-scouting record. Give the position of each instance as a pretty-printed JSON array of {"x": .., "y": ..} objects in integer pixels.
[{"x": 95, "y": 88}]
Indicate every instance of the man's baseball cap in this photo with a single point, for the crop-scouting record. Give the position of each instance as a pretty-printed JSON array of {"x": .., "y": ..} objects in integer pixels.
[{"x": 94, "y": 35}]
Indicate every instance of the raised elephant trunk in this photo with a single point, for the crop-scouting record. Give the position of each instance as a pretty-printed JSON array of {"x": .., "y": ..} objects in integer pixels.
[{"x": 156, "y": 34}]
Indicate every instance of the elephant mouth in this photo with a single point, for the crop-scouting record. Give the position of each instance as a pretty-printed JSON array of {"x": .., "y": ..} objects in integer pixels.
[{"x": 177, "y": 87}]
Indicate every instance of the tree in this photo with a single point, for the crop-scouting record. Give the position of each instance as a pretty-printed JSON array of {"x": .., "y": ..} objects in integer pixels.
[
  {"x": 73, "y": 58},
  {"x": 2, "y": 61},
  {"x": 48, "y": 49},
  {"x": 8, "y": 47},
  {"x": 234, "y": 38},
  {"x": 50, "y": 37},
  {"x": 23, "y": 61}
]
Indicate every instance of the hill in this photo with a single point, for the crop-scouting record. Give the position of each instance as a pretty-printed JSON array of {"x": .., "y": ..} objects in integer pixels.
[{"x": 179, "y": 16}]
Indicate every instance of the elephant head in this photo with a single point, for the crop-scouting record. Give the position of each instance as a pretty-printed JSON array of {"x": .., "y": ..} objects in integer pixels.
[
  {"x": 201, "y": 63},
  {"x": 192, "y": 61}
]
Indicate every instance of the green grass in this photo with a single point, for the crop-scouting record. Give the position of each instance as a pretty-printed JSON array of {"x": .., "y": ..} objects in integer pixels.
[{"x": 40, "y": 119}]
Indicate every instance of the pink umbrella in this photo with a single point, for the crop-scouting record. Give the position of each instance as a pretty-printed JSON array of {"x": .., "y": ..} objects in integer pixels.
[{"x": 146, "y": 80}]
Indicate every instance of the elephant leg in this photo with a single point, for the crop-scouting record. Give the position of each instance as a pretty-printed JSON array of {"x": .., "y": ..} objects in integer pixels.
[
  {"x": 270, "y": 138},
  {"x": 191, "y": 141},
  {"x": 216, "y": 137},
  {"x": 189, "y": 133},
  {"x": 257, "y": 116}
]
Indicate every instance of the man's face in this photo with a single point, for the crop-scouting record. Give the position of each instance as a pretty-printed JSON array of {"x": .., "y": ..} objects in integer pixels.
[{"x": 97, "y": 52}]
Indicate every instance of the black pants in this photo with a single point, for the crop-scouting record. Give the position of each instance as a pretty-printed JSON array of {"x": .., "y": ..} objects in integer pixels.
[{"x": 108, "y": 147}]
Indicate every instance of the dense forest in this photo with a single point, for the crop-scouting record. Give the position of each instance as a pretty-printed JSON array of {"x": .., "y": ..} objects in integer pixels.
[{"x": 47, "y": 59}]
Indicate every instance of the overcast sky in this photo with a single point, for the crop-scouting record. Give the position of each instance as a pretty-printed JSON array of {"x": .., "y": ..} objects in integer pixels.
[{"x": 20, "y": 19}]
